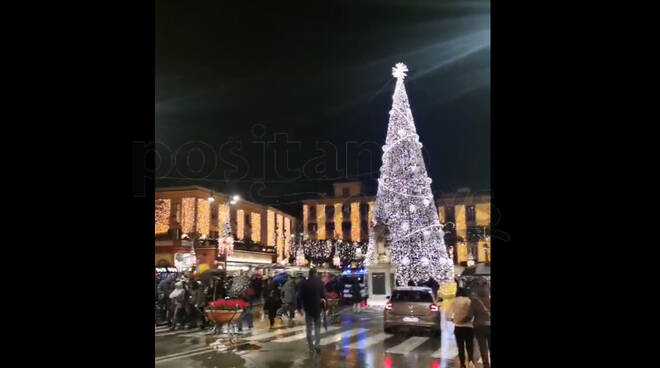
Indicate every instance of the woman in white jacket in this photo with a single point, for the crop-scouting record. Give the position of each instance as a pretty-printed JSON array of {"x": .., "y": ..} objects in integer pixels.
[{"x": 460, "y": 313}]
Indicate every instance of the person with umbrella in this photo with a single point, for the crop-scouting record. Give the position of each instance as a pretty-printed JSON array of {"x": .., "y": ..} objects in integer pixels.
[
  {"x": 165, "y": 287},
  {"x": 198, "y": 302},
  {"x": 272, "y": 305},
  {"x": 178, "y": 300},
  {"x": 289, "y": 300}
]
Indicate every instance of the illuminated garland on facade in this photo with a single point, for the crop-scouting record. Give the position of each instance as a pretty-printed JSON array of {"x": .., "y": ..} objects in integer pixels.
[
  {"x": 339, "y": 217},
  {"x": 240, "y": 224},
  {"x": 320, "y": 222},
  {"x": 163, "y": 207},
  {"x": 483, "y": 214},
  {"x": 355, "y": 221},
  {"x": 203, "y": 216},
  {"x": 255, "y": 220},
  {"x": 187, "y": 215},
  {"x": 270, "y": 225}
]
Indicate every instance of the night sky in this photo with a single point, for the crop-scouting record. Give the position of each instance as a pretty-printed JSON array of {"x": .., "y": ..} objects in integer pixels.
[{"x": 230, "y": 76}]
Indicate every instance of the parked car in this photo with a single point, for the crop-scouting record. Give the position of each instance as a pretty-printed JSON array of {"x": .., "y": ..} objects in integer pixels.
[{"x": 412, "y": 307}]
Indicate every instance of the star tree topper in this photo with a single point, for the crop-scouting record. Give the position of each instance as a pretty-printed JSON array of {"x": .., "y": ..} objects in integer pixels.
[{"x": 399, "y": 70}]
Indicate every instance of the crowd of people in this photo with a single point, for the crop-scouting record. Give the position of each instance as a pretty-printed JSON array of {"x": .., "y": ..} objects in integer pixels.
[{"x": 181, "y": 299}]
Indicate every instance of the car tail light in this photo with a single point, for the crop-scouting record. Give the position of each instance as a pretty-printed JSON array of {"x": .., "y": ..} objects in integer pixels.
[
  {"x": 433, "y": 308},
  {"x": 388, "y": 306}
]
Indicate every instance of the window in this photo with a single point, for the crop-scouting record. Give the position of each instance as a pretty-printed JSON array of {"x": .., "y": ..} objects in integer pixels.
[
  {"x": 413, "y": 296},
  {"x": 476, "y": 233},
  {"x": 330, "y": 229},
  {"x": 346, "y": 210},
  {"x": 329, "y": 211},
  {"x": 312, "y": 211},
  {"x": 346, "y": 229},
  {"x": 470, "y": 214},
  {"x": 364, "y": 210},
  {"x": 345, "y": 192},
  {"x": 365, "y": 227},
  {"x": 311, "y": 228},
  {"x": 378, "y": 283},
  {"x": 449, "y": 213}
]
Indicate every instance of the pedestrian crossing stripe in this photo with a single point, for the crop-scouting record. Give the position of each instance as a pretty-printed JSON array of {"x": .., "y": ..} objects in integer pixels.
[
  {"x": 447, "y": 351},
  {"x": 408, "y": 345},
  {"x": 300, "y": 335},
  {"x": 344, "y": 335},
  {"x": 280, "y": 332},
  {"x": 372, "y": 340},
  {"x": 183, "y": 353},
  {"x": 448, "y": 348},
  {"x": 204, "y": 351}
]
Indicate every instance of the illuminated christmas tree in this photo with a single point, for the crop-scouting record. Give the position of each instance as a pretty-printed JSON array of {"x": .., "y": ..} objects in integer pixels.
[
  {"x": 226, "y": 241},
  {"x": 404, "y": 203},
  {"x": 372, "y": 254}
]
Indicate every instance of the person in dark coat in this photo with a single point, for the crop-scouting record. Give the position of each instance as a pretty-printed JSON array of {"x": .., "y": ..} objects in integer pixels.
[
  {"x": 271, "y": 305},
  {"x": 310, "y": 297},
  {"x": 198, "y": 302},
  {"x": 480, "y": 308},
  {"x": 356, "y": 292}
]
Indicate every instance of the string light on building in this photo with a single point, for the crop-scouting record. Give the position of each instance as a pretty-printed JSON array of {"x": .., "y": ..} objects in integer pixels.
[
  {"x": 270, "y": 227},
  {"x": 163, "y": 207},
  {"x": 187, "y": 215},
  {"x": 255, "y": 221},
  {"x": 320, "y": 222},
  {"x": 355, "y": 221},
  {"x": 240, "y": 224},
  {"x": 203, "y": 216},
  {"x": 339, "y": 217}
]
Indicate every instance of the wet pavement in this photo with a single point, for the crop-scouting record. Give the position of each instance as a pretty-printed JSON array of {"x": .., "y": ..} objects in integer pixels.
[{"x": 357, "y": 341}]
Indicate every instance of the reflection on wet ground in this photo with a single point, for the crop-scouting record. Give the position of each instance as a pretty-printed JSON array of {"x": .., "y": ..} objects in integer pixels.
[{"x": 357, "y": 341}]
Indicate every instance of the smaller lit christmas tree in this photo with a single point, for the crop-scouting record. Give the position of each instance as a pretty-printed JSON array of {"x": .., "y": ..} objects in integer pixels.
[
  {"x": 226, "y": 241},
  {"x": 372, "y": 254}
]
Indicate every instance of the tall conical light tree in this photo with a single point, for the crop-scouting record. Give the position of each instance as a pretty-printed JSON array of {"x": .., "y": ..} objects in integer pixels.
[
  {"x": 404, "y": 203},
  {"x": 371, "y": 257},
  {"x": 226, "y": 241}
]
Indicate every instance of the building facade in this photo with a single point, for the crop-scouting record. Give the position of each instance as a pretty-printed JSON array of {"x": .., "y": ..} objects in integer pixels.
[
  {"x": 467, "y": 220},
  {"x": 262, "y": 234},
  {"x": 345, "y": 216}
]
